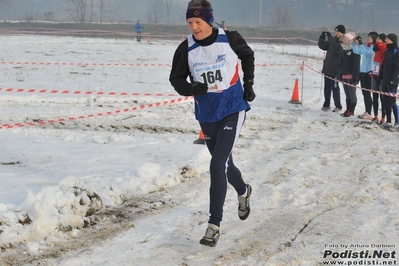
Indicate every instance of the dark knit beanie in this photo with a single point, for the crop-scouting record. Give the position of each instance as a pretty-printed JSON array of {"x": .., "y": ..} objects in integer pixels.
[
  {"x": 393, "y": 37},
  {"x": 200, "y": 9},
  {"x": 382, "y": 36},
  {"x": 340, "y": 28}
]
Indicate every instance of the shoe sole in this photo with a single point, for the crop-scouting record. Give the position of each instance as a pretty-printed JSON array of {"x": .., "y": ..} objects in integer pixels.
[
  {"x": 208, "y": 243},
  {"x": 365, "y": 118},
  {"x": 249, "y": 192}
]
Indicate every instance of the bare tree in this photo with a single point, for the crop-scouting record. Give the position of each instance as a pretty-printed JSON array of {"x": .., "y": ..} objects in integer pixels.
[
  {"x": 78, "y": 11},
  {"x": 49, "y": 16},
  {"x": 281, "y": 16},
  {"x": 101, "y": 6},
  {"x": 29, "y": 17},
  {"x": 154, "y": 12},
  {"x": 90, "y": 11},
  {"x": 104, "y": 8},
  {"x": 169, "y": 4},
  {"x": 91, "y": 17}
]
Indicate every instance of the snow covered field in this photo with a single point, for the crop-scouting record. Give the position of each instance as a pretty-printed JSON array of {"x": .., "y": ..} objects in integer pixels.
[{"x": 93, "y": 172}]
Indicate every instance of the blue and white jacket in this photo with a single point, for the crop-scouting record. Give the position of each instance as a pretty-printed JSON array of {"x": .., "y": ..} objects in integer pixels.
[
  {"x": 220, "y": 71},
  {"x": 217, "y": 66}
]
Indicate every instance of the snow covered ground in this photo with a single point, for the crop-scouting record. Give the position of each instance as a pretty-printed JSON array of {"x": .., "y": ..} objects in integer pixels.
[{"x": 95, "y": 172}]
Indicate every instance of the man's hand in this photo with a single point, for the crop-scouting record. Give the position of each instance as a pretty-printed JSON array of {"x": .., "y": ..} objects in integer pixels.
[
  {"x": 199, "y": 88},
  {"x": 249, "y": 94}
]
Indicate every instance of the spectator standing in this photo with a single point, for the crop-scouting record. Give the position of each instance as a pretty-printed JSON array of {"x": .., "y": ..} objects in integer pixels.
[
  {"x": 350, "y": 74},
  {"x": 379, "y": 49},
  {"x": 331, "y": 66},
  {"x": 390, "y": 80},
  {"x": 366, "y": 67},
  {"x": 138, "y": 28},
  {"x": 222, "y": 25},
  {"x": 210, "y": 57}
]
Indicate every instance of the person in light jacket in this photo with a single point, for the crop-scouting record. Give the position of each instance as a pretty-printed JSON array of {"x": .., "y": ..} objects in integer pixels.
[{"x": 366, "y": 67}]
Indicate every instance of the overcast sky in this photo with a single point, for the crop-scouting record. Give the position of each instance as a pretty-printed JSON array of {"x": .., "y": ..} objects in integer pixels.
[{"x": 360, "y": 15}]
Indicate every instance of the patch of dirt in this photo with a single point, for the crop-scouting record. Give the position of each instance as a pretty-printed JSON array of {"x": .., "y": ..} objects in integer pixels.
[{"x": 104, "y": 224}]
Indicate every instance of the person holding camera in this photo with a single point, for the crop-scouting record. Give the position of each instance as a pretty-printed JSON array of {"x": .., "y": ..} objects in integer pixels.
[
  {"x": 350, "y": 74},
  {"x": 366, "y": 67},
  {"x": 331, "y": 66}
]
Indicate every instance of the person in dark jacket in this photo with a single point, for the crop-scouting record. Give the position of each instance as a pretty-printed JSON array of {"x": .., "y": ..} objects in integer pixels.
[
  {"x": 390, "y": 80},
  {"x": 210, "y": 58},
  {"x": 331, "y": 66},
  {"x": 350, "y": 74},
  {"x": 379, "y": 49}
]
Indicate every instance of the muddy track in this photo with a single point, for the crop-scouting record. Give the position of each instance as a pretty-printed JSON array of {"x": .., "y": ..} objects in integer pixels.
[
  {"x": 104, "y": 224},
  {"x": 118, "y": 128}
]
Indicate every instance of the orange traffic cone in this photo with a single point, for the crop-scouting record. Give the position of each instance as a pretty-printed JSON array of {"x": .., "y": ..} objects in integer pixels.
[
  {"x": 148, "y": 39},
  {"x": 201, "y": 138},
  {"x": 295, "y": 94}
]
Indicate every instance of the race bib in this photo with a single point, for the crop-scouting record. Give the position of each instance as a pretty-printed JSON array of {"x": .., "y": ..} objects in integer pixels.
[
  {"x": 212, "y": 75},
  {"x": 376, "y": 68}
]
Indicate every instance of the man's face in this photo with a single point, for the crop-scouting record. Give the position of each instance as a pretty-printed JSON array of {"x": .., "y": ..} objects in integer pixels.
[
  {"x": 388, "y": 41},
  {"x": 199, "y": 28},
  {"x": 338, "y": 34}
]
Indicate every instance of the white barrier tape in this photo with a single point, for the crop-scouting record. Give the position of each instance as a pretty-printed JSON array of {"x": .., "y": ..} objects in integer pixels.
[
  {"x": 132, "y": 33},
  {"x": 111, "y": 64},
  {"x": 85, "y": 32},
  {"x": 84, "y": 64},
  {"x": 349, "y": 84},
  {"x": 115, "y": 112},
  {"x": 102, "y": 93}
]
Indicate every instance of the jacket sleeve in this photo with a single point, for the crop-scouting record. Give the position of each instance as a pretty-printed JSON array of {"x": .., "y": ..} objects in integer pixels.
[
  {"x": 335, "y": 46},
  {"x": 244, "y": 53},
  {"x": 395, "y": 75},
  {"x": 357, "y": 49},
  {"x": 363, "y": 50},
  {"x": 180, "y": 70},
  {"x": 322, "y": 43},
  {"x": 356, "y": 67}
]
